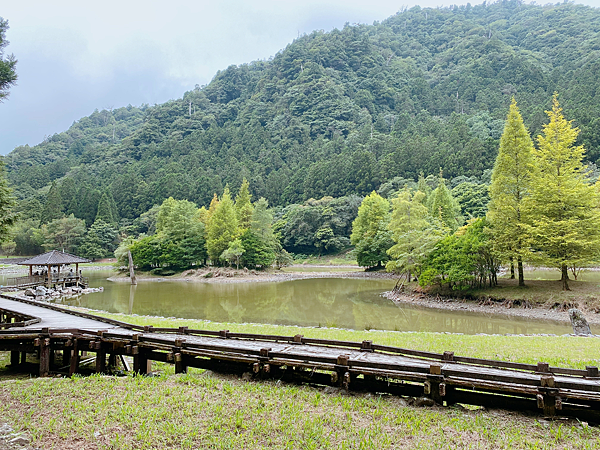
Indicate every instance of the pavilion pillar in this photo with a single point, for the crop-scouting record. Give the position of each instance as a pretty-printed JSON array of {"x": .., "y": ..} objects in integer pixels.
[{"x": 49, "y": 276}]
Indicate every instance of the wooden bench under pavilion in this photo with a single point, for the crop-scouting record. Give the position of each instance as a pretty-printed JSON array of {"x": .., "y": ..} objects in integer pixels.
[{"x": 52, "y": 260}]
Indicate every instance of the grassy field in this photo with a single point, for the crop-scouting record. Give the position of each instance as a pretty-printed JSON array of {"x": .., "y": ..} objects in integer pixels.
[{"x": 205, "y": 410}]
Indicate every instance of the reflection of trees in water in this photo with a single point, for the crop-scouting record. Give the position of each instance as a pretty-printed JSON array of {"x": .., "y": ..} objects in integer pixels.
[{"x": 337, "y": 302}]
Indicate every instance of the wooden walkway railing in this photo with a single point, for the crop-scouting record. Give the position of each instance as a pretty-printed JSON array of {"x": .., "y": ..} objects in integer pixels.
[
  {"x": 444, "y": 377},
  {"x": 41, "y": 280}
]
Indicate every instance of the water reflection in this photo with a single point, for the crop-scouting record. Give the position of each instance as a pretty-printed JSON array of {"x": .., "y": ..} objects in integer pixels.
[{"x": 332, "y": 302}]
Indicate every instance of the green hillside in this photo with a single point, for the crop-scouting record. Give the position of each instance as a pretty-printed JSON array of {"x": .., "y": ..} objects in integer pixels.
[{"x": 336, "y": 113}]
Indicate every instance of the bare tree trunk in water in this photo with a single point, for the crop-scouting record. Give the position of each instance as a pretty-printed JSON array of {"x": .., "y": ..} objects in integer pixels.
[
  {"x": 565, "y": 278},
  {"x": 512, "y": 269},
  {"x": 520, "y": 268}
]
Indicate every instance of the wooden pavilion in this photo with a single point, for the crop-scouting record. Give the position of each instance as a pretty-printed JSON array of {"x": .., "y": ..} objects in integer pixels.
[{"x": 49, "y": 269}]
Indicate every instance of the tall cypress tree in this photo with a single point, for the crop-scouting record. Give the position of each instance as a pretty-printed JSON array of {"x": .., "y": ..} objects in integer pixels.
[
  {"x": 104, "y": 212},
  {"x": 564, "y": 218},
  {"x": 243, "y": 206},
  {"x": 7, "y": 205},
  {"x": 370, "y": 234},
  {"x": 53, "y": 206},
  {"x": 510, "y": 186},
  {"x": 444, "y": 207},
  {"x": 222, "y": 227}
]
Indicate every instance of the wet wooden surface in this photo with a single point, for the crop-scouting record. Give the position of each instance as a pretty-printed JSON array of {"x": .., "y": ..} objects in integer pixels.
[{"x": 52, "y": 319}]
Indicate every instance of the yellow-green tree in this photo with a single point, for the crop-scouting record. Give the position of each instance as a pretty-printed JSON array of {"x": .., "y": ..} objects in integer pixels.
[
  {"x": 370, "y": 234},
  {"x": 222, "y": 227},
  {"x": 511, "y": 180},
  {"x": 243, "y": 206},
  {"x": 564, "y": 219},
  {"x": 414, "y": 231}
]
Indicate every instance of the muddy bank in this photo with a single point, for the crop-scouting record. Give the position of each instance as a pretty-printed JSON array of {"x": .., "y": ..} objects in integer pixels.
[
  {"x": 484, "y": 307},
  {"x": 228, "y": 275}
]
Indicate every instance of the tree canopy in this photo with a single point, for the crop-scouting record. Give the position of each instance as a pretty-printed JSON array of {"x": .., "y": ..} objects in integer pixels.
[{"x": 8, "y": 63}]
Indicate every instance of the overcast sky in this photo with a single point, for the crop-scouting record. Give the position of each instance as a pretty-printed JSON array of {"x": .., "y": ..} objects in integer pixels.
[{"x": 76, "y": 56}]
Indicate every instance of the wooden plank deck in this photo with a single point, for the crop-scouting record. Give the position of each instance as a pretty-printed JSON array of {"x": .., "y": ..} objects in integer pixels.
[
  {"x": 51, "y": 318},
  {"x": 353, "y": 365}
]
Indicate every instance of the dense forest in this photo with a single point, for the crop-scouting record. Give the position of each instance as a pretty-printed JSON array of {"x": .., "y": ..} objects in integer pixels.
[{"x": 333, "y": 117}]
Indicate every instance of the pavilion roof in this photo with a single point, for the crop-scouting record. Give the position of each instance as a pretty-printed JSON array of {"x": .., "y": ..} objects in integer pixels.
[{"x": 53, "y": 258}]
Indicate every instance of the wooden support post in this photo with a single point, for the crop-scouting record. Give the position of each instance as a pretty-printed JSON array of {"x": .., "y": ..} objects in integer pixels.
[
  {"x": 366, "y": 346},
  {"x": 592, "y": 372},
  {"x": 180, "y": 367},
  {"x": 100, "y": 359},
  {"x": 74, "y": 359},
  {"x": 341, "y": 376},
  {"x": 141, "y": 363},
  {"x": 434, "y": 387},
  {"x": 14, "y": 358},
  {"x": 112, "y": 360},
  {"x": 548, "y": 394},
  {"x": 23, "y": 358},
  {"x": 44, "y": 357},
  {"x": 66, "y": 357}
]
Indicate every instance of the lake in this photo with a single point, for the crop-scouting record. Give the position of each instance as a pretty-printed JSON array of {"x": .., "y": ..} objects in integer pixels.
[{"x": 326, "y": 302}]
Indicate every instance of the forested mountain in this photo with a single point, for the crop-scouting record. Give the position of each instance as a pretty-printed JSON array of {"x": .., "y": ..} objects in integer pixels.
[{"x": 335, "y": 113}]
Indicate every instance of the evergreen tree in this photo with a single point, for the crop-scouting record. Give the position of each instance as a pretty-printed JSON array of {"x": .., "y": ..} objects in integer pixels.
[
  {"x": 7, "y": 206},
  {"x": 370, "y": 233},
  {"x": 105, "y": 212},
  {"x": 222, "y": 227},
  {"x": 443, "y": 206},
  {"x": 100, "y": 241},
  {"x": 8, "y": 76},
  {"x": 262, "y": 220},
  {"x": 53, "y": 206},
  {"x": 423, "y": 187},
  {"x": 510, "y": 187},
  {"x": 257, "y": 253},
  {"x": 87, "y": 204},
  {"x": 564, "y": 219},
  {"x": 243, "y": 206},
  {"x": 113, "y": 207},
  {"x": 414, "y": 232}
]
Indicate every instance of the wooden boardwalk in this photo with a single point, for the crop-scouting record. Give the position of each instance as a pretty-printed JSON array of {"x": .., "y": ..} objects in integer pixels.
[{"x": 444, "y": 378}]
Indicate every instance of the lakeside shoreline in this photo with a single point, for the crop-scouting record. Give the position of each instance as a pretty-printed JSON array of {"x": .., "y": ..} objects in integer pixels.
[{"x": 491, "y": 305}]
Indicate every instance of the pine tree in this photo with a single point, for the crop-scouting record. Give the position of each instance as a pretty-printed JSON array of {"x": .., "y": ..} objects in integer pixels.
[
  {"x": 423, "y": 187},
  {"x": 53, "y": 206},
  {"x": 7, "y": 206},
  {"x": 243, "y": 206},
  {"x": 222, "y": 227},
  {"x": 113, "y": 207},
  {"x": 443, "y": 206},
  {"x": 370, "y": 234},
  {"x": 105, "y": 211},
  {"x": 510, "y": 187},
  {"x": 564, "y": 219}
]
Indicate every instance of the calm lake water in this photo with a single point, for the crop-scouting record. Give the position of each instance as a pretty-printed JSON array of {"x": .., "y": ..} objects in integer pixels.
[{"x": 326, "y": 302}]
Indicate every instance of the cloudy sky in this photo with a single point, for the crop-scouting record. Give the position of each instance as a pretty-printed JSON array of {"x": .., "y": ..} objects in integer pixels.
[{"x": 76, "y": 56}]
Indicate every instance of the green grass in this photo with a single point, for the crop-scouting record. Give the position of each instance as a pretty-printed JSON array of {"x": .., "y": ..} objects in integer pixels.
[
  {"x": 218, "y": 412},
  {"x": 204, "y": 410},
  {"x": 567, "y": 351},
  {"x": 345, "y": 258}
]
